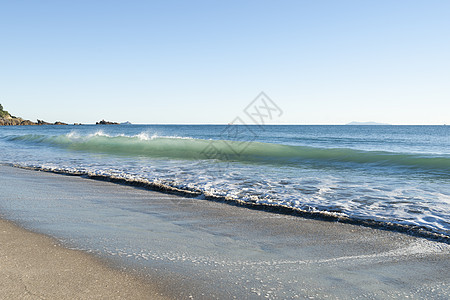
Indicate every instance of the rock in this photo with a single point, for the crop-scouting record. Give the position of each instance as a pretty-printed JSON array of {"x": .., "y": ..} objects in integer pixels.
[
  {"x": 7, "y": 120},
  {"x": 42, "y": 122},
  {"x": 103, "y": 122},
  {"x": 19, "y": 121},
  {"x": 10, "y": 121},
  {"x": 26, "y": 122}
]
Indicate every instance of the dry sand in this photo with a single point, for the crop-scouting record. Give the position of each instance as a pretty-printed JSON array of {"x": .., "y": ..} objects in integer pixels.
[{"x": 34, "y": 266}]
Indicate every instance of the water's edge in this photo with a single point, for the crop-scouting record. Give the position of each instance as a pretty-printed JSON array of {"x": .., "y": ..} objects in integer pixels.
[{"x": 412, "y": 230}]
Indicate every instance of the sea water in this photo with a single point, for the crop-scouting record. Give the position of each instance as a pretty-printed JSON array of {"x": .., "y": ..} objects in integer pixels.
[{"x": 384, "y": 174}]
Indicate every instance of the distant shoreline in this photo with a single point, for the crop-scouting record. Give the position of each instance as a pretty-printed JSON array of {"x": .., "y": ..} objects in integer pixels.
[
  {"x": 250, "y": 125},
  {"x": 367, "y": 123},
  {"x": 22, "y": 122},
  {"x": 6, "y": 119}
]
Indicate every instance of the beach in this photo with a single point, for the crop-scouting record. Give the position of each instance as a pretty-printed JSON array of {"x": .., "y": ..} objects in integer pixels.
[
  {"x": 225, "y": 150},
  {"x": 34, "y": 266},
  {"x": 193, "y": 248}
]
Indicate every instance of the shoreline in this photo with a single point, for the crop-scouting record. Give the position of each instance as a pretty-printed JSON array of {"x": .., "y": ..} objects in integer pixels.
[
  {"x": 412, "y": 230},
  {"x": 209, "y": 250}
]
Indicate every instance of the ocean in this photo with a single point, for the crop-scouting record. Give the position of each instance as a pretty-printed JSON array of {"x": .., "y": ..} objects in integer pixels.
[{"x": 393, "y": 176}]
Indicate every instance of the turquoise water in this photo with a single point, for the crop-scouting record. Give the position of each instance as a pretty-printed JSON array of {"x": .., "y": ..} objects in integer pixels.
[{"x": 388, "y": 174}]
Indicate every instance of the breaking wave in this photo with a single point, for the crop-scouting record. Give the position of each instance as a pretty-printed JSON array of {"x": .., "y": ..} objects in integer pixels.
[{"x": 252, "y": 152}]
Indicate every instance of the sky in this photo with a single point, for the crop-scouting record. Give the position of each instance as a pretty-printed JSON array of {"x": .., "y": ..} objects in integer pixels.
[{"x": 203, "y": 62}]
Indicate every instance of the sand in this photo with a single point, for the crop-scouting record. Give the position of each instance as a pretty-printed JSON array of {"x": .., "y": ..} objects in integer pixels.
[
  {"x": 192, "y": 248},
  {"x": 33, "y": 266}
]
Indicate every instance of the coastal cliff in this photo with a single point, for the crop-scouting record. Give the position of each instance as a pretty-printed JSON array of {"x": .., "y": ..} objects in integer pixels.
[{"x": 7, "y": 120}]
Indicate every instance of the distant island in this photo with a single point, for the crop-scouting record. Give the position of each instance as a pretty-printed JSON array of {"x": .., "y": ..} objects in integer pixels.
[
  {"x": 6, "y": 119},
  {"x": 366, "y": 123},
  {"x": 103, "y": 122}
]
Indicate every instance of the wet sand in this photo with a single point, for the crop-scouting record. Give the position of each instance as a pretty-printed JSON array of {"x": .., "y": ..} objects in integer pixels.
[
  {"x": 34, "y": 266},
  {"x": 192, "y": 248}
]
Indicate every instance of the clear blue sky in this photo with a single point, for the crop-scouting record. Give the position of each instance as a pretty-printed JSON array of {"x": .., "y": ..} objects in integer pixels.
[{"x": 322, "y": 62}]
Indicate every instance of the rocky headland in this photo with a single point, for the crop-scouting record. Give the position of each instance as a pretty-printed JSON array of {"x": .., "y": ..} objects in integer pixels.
[{"x": 6, "y": 119}]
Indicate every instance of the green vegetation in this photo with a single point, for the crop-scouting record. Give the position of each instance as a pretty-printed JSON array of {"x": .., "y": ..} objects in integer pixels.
[{"x": 3, "y": 113}]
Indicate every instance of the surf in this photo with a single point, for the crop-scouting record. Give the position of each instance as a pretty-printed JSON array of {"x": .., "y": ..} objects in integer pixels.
[{"x": 174, "y": 147}]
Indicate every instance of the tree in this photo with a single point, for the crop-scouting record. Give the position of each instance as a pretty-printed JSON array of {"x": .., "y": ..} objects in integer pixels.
[{"x": 3, "y": 113}]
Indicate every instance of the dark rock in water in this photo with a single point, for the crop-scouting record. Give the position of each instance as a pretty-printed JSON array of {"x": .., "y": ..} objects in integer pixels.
[
  {"x": 26, "y": 122},
  {"x": 42, "y": 122},
  {"x": 103, "y": 122}
]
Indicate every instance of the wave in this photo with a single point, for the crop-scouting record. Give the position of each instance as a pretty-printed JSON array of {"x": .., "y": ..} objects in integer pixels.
[
  {"x": 226, "y": 150},
  {"x": 280, "y": 208}
]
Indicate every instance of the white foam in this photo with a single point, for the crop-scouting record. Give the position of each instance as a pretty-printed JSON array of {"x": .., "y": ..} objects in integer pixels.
[{"x": 144, "y": 136}]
